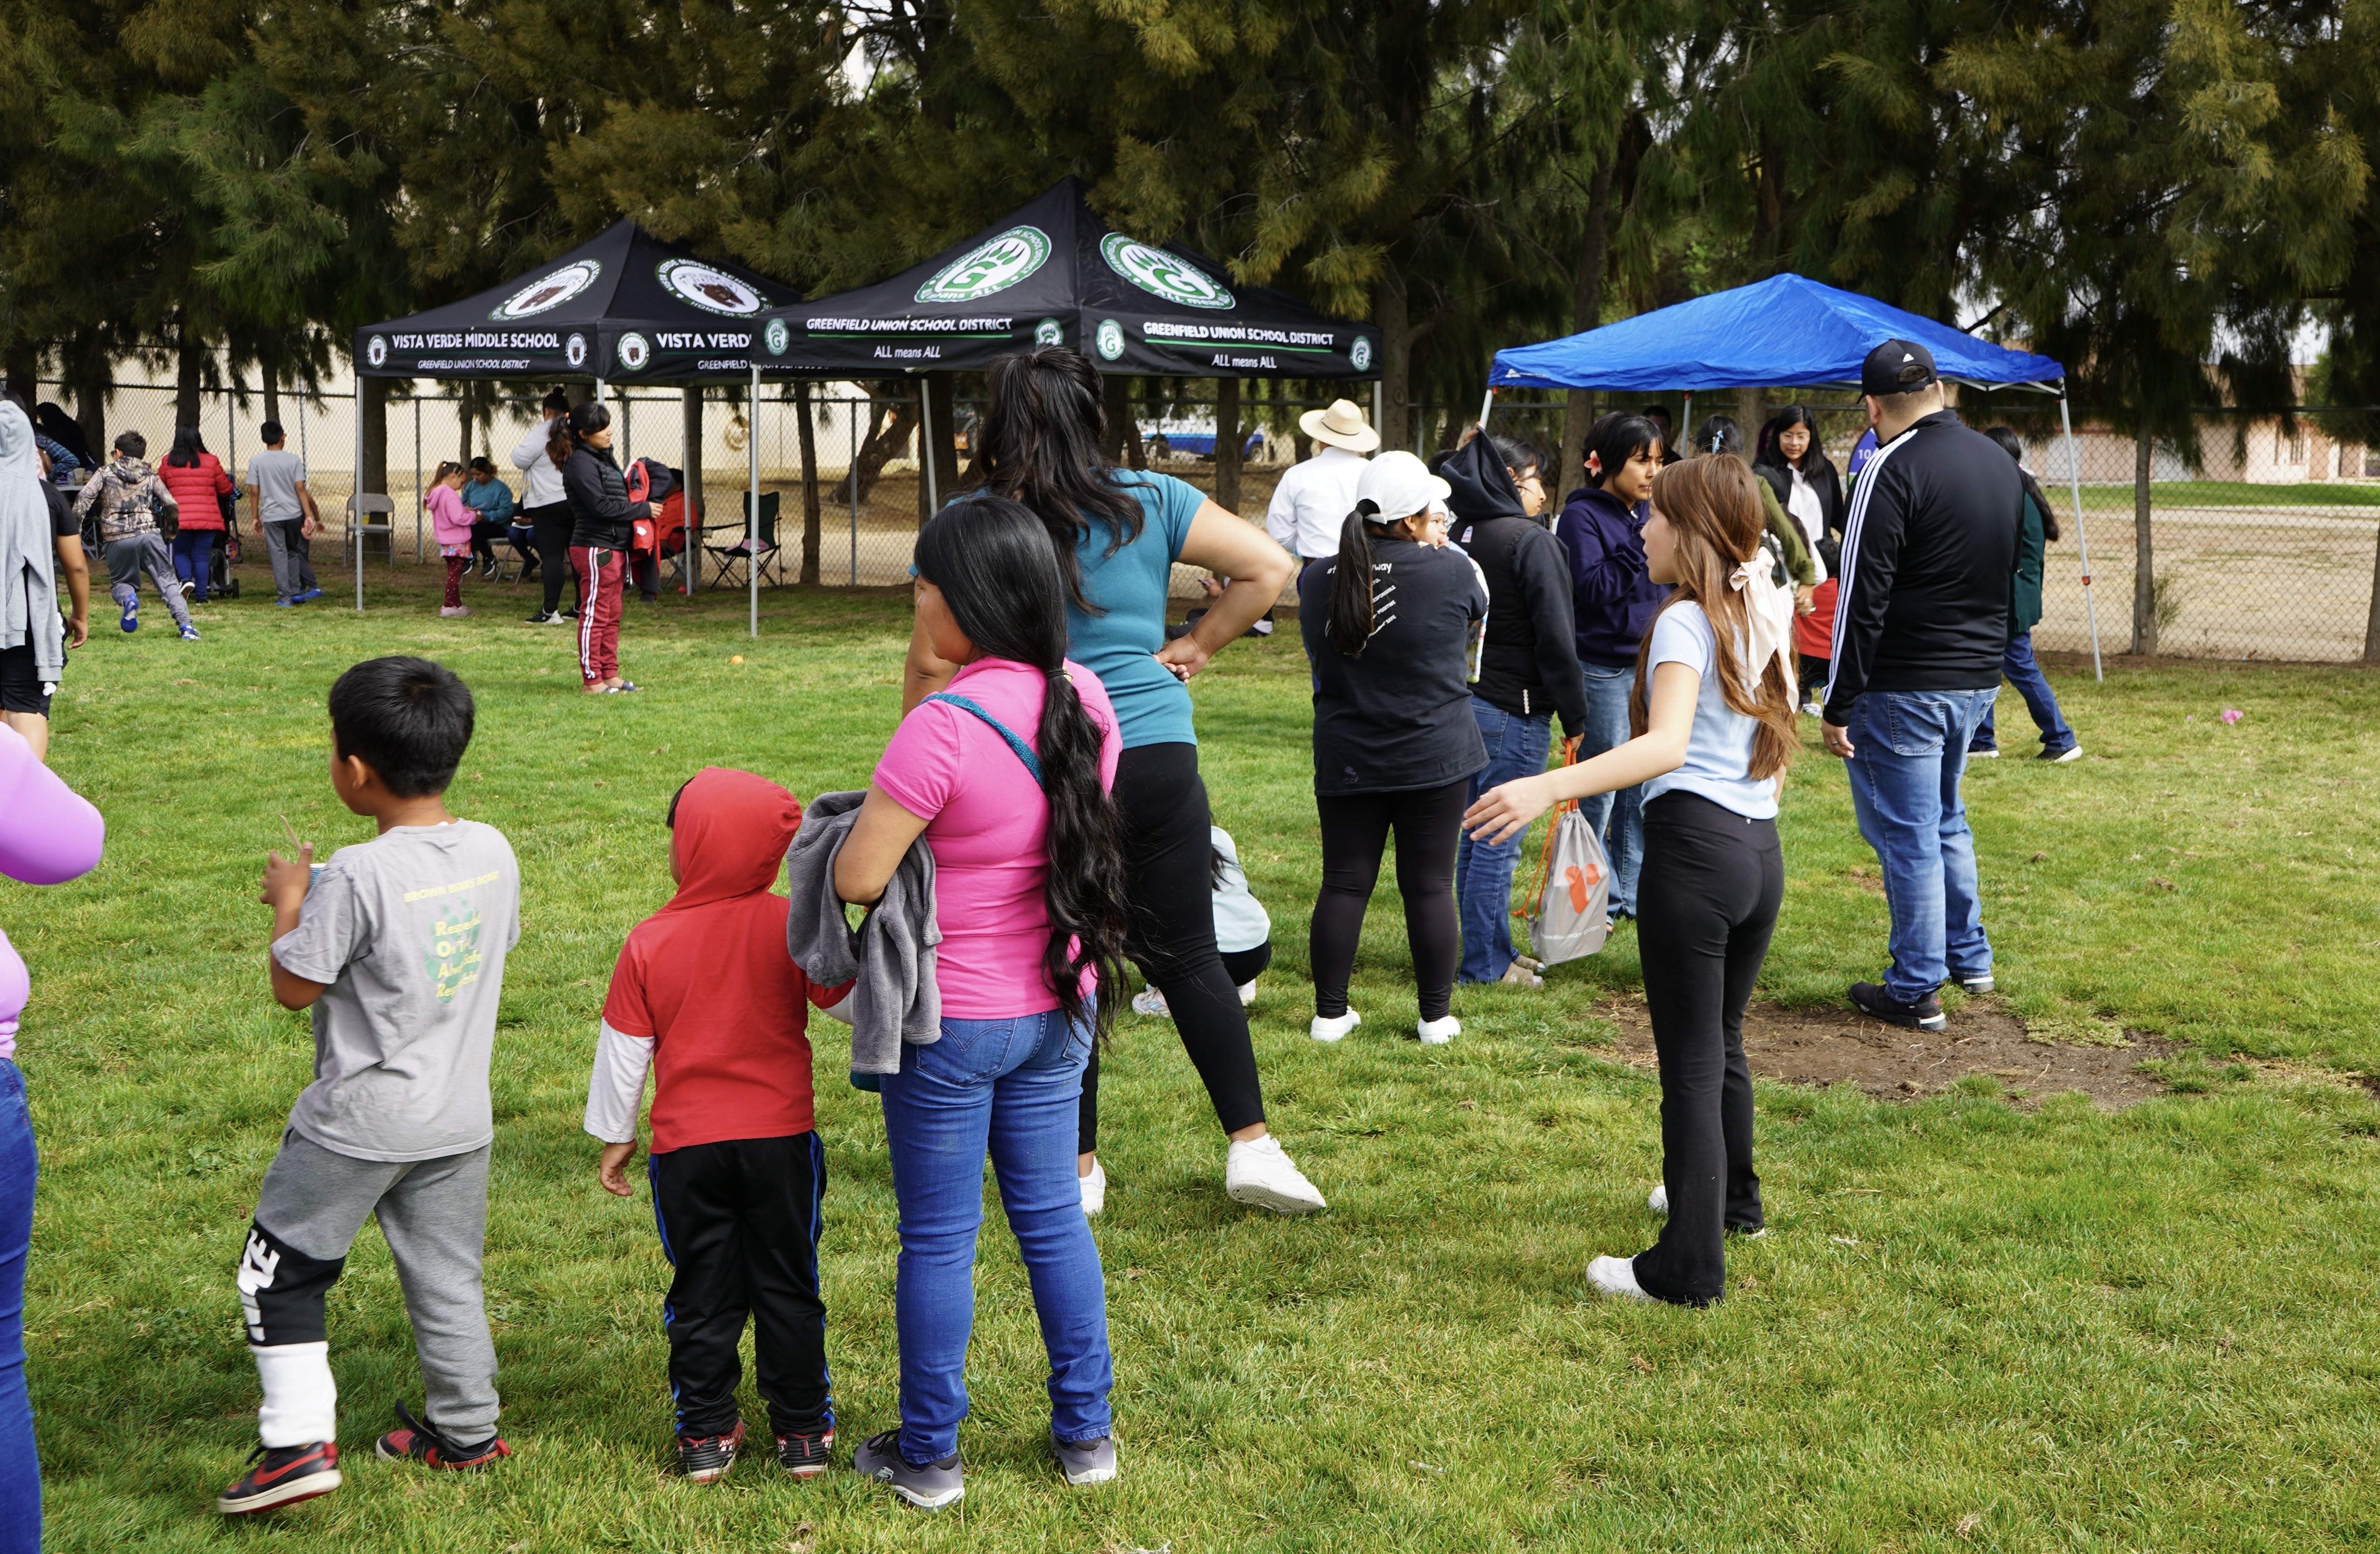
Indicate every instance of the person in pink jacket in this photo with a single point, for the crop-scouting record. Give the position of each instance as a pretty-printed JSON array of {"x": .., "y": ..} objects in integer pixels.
[
  {"x": 199, "y": 485},
  {"x": 450, "y": 526}
]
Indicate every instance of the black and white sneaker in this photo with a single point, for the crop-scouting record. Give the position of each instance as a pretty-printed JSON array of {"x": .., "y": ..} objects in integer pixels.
[
  {"x": 705, "y": 1459},
  {"x": 1085, "y": 1461},
  {"x": 282, "y": 1475},
  {"x": 541, "y": 618},
  {"x": 1877, "y": 1005},
  {"x": 927, "y": 1485},
  {"x": 2060, "y": 757},
  {"x": 805, "y": 1453}
]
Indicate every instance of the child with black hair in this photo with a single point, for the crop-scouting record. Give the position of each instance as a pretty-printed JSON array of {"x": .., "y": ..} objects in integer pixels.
[
  {"x": 125, "y": 497},
  {"x": 398, "y": 947}
]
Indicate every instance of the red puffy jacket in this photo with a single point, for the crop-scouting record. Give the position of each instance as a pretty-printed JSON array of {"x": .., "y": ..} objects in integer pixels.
[{"x": 195, "y": 488}]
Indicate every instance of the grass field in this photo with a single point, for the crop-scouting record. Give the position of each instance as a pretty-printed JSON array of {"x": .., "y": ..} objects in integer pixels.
[
  {"x": 1975, "y": 1324},
  {"x": 2229, "y": 494}
]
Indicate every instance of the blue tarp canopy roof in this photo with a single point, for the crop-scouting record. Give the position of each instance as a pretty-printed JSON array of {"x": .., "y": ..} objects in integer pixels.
[{"x": 1784, "y": 329}]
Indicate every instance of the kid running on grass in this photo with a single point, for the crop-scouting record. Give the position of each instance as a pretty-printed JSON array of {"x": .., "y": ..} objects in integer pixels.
[
  {"x": 706, "y": 994},
  {"x": 127, "y": 496},
  {"x": 398, "y": 947}
]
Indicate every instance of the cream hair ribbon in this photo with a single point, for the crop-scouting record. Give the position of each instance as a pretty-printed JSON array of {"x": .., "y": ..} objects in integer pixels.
[{"x": 1769, "y": 614}]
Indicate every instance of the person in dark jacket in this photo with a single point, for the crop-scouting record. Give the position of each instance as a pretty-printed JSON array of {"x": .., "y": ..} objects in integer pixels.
[
  {"x": 1803, "y": 479},
  {"x": 2058, "y": 741},
  {"x": 1602, "y": 535},
  {"x": 601, "y": 517},
  {"x": 1528, "y": 671},
  {"x": 1921, "y": 630}
]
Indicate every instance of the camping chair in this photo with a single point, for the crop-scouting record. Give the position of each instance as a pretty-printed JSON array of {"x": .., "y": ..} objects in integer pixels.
[
  {"x": 365, "y": 532},
  {"x": 742, "y": 552}
]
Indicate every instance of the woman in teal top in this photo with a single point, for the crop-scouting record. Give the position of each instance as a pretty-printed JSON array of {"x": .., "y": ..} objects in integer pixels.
[{"x": 1118, "y": 533}]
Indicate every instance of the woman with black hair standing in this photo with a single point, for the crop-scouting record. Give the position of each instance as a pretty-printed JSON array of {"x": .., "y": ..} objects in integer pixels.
[
  {"x": 546, "y": 510},
  {"x": 1803, "y": 479},
  {"x": 1117, "y": 534},
  {"x": 600, "y": 519}
]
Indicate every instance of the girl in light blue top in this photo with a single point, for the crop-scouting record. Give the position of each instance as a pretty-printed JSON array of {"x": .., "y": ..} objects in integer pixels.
[{"x": 1712, "y": 739}]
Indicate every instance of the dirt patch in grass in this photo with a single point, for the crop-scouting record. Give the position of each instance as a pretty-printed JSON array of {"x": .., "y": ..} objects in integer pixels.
[{"x": 1825, "y": 1047}]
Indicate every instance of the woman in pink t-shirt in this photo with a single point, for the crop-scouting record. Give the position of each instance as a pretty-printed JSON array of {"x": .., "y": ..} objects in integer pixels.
[{"x": 1007, "y": 773}]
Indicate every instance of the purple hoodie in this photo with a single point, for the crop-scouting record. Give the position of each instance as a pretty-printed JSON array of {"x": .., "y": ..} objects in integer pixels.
[{"x": 1613, "y": 599}]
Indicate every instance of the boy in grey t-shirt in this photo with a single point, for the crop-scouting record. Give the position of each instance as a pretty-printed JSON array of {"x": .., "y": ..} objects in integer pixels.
[
  {"x": 285, "y": 516},
  {"x": 398, "y": 947}
]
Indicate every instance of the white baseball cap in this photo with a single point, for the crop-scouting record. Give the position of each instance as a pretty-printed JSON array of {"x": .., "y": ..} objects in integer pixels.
[{"x": 1397, "y": 485}]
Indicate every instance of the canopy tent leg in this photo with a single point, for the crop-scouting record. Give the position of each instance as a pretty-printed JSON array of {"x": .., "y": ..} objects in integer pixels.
[
  {"x": 1377, "y": 403},
  {"x": 2074, "y": 484},
  {"x": 1685, "y": 425},
  {"x": 419, "y": 493},
  {"x": 355, "y": 497},
  {"x": 599, "y": 391},
  {"x": 1487, "y": 404},
  {"x": 926, "y": 449},
  {"x": 752, "y": 503},
  {"x": 691, "y": 503}
]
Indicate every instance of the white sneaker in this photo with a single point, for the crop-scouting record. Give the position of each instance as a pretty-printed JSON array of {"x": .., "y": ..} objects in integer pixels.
[
  {"x": 452, "y": 611},
  {"x": 1438, "y": 1033},
  {"x": 1247, "y": 994},
  {"x": 1332, "y": 1030},
  {"x": 1659, "y": 1200},
  {"x": 1149, "y": 1000},
  {"x": 1259, "y": 1171},
  {"x": 1616, "y": 1276},
  {"x": 1095, "y": 1189}
]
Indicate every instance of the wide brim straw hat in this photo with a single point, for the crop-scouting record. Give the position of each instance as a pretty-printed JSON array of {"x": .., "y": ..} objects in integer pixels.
[{"x": 1342, "y": 426}]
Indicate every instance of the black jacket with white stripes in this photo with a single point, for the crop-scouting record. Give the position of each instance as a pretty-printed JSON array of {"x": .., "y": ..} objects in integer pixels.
[{"x": 1928, "y": 553}]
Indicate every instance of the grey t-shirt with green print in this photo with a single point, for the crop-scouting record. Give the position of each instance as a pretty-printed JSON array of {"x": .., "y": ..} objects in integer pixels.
[{"x": 409, "y": 932}]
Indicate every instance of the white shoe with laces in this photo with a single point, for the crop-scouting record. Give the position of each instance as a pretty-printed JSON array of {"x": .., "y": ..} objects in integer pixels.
[
  {"x": 1439, "y": 1032},
  {"x": 1095, "y": 1189},
  {"x": 1149, "y": 1000},
  {"x": 1334, "y": 1027},
  {"x": 1659, "y": 1202},
  {"x": 1617, "y": 1277},
  {"x": 1259, "y": 1171}
]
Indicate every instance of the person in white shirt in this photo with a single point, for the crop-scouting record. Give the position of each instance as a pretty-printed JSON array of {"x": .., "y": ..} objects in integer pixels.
[
  {"x": 547, "y": 513},
  {"x": 1311, "y": 503}
]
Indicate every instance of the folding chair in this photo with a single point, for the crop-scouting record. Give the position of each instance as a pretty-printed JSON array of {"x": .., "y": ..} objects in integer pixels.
[
  {"x": 742, "y": 552},
  {"x": 365, "y": 532}
]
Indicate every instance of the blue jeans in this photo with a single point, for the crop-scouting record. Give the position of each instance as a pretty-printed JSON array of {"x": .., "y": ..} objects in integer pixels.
[
  {"x": 1012, "y": 1086},
  {"x": 194, "y": 558},
  {"x": 1607, "y": 729},
  {"x": 1909, "y": 748},
  {"x": 20, "y": 1471},
  {"x": 1483, "y": 870},
  {"x": 2039, "y": 699}
]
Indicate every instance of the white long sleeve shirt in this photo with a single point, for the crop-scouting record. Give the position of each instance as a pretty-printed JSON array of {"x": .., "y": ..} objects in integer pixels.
[
  {"x": 1312, "y": 502},
  {"x": 544, "y": 486}
]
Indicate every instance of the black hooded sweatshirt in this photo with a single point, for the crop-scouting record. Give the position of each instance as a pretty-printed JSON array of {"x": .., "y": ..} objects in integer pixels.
[{"x": 1529, "y": 665}]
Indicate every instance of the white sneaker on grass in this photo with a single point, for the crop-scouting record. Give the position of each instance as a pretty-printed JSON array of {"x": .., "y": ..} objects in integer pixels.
[
  {"x": 1149, "y": 1000},
  {"x": 1248, "y": 993},
  {"x": 1259, "y": 1171},
  {"x": 1658, "y": 1200},
  {"x": 1095, "y": 1189},
  {"x": 1616, "y": 1276},
  {"x": 1331, "y": 1027},
  {"x": 1438, "y": 1032}
]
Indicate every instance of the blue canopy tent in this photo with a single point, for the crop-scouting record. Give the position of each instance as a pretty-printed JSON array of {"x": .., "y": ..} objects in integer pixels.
[{"x": 1782, "y": 330}]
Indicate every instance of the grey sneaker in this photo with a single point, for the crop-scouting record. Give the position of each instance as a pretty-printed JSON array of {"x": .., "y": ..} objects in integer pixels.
[
  {"x": 927, "y": 1485},
  {"x": 1085, "y": 1461}
]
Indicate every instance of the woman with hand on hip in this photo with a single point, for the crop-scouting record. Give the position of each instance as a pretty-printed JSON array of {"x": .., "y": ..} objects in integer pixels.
[
  {"x": 1713, "y": 715},
  {"x": 1117, "y": 533}
]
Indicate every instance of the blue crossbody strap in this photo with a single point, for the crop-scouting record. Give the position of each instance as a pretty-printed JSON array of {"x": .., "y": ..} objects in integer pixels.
[{"x": 1024, "y": 751}]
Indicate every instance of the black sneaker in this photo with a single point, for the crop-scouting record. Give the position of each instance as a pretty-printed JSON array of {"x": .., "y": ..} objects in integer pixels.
[
  {"x": 282, "y": 1475},
  {"x": 1877, "y": 1005},
  {"x": 804, "y": 1454},
  {"x": 421, "y": 1441},
  {"x": 927, "y": 1485},
  {"x": 705, "y": 1458},
  {"x": 1984, "y": 752},
  {"x": 541, "y": 618}
]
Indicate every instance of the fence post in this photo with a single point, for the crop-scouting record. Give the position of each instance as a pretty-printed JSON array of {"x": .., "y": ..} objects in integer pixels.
[
  {"x": 2371, "y": 620},
  {"x": 1227, "y": 444},
  {"x": 2145, "y": 624}
]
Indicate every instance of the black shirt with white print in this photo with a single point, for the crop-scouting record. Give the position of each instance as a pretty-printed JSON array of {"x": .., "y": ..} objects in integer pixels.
[{"x": 1398, "y": 717}]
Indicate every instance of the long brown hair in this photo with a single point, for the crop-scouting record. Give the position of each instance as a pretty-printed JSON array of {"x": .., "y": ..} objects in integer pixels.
[{"x": 1714, "y": 508}]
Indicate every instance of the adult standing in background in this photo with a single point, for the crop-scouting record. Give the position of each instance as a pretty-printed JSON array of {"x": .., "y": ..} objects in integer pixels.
[
  {"x": 547, "y": 511},
  {"x": 491, "y": 502},
  {"x": 1528, "y": 672},
  {"x": 1921, "y": 629},
  {"x": 40, "y": 543},
  {"x": 201, "y": 488},
  {"x": 286, "y": 518},
  {"x": 600, "y": 519},
  {"x": 1602, "y": 534},
  {"x": 1314, "y": 498},
  {"x": 2058, "y": 741},
  {"x": 1803, "y": 479}
]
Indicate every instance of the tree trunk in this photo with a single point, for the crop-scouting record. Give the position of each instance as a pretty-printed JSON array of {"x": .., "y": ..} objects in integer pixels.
[
  {"x": 372, "y": 407},
  {"x": 1123, "y": 443},
  {"x": 1390, "y": 311},
  {"x": 1750, "y": 409},
  {"x": 942, "y": 428},
  {"x": 887, "y": 436},
  {"x": 1227, "y": 444},
  {"x": 189, "y": 358},
  {"x": 1586, "y": 313},
  {"x": 808, "y": 434},
  {"x": 271, "y": 392},
  {"x": 2144, "y": 621},
  {"x": 82, "y": 363}
]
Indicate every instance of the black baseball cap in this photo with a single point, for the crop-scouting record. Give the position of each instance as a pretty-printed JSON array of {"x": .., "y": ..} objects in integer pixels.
[{"x": 1897, "y": 367}]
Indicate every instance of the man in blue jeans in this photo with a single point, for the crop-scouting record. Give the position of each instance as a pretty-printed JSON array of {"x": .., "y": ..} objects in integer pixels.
[{"x": 1921, "y": 625}]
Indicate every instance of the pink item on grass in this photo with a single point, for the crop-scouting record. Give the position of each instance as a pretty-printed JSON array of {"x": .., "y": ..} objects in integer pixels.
[
  {"x": 49, "y": 834},
  {"x": 2232, "y": 714}
]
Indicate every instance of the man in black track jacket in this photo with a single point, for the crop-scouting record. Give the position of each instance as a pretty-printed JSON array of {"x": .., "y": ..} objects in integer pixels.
[
  {"x": 1921, "y": 622},
  {"x": 1528, "y": 671}
]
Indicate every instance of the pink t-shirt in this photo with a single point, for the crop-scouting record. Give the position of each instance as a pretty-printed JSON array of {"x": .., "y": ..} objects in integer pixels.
[{"x": 987, "y": 824}]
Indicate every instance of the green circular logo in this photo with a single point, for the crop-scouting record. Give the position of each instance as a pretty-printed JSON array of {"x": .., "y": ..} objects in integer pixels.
[
  {"x": 1109, "y": 339},
  {"x": 993, "y": 265},
  {"x": 1359, "y": 355},
  {"x": 777, "y": 337},
  {"x": 634, "y": 352},
  {"x": 1049, "y": 332},
  {"x": 1163, "y": 273}
]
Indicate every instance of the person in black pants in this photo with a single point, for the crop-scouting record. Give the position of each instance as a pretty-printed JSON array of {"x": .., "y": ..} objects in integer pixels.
[
  {"x": 1391, "y": 626},
  {"x": 1712, "y": 737},
  {"x": 546, "y": 511}
]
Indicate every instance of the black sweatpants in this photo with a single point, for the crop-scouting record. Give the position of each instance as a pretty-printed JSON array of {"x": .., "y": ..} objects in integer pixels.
[
  {"x": 550, "y": 525},
  {"x": 739, "y": 1222},
  {"x": 1705, "y": 905},
  {"x": 1169, "y": 854},
  {"x": 1428, "y": 823}
]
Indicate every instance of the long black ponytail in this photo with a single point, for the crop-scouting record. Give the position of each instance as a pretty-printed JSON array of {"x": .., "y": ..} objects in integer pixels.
[
  {"x": 571, "y": 429},
  {"x": 1351, "y": 585},
  {"x": 992, "y": 560},
  {"x": 1042, "y": 442}
]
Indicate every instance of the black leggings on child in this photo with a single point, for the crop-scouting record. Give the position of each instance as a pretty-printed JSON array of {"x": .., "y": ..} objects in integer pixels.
[{"x": 1428, "y": 823}]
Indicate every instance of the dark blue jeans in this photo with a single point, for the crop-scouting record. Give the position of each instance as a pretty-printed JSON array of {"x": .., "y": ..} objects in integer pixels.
[
  {"x": 1483, "y": 870},
  {"x": 20, "y": 1471},
  {"x": 194, "y": 558},
  {"x": 2025, "y": 675},
  {"x": 1011, "y": 1086},
  {"x": 1618, "y": 817},
  {"x": 1909, "y": 749}
]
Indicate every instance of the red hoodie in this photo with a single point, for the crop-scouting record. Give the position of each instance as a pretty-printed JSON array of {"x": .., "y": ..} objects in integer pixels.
[
  {"x": 707, "y": 979},
  {"x": 195, "y": 488}
]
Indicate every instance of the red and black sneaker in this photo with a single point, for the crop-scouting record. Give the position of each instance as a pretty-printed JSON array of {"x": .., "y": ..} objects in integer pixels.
[
  {"x": 804, "y": 1454},
  {"x": 421, "y": 1441},
  {"x": 705, "y": 1458},
  {"x": 282, "y": 1475}
]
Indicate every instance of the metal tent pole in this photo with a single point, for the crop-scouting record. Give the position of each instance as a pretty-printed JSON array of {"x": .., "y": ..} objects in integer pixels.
[
  {"x": 752, "y": 502},
  {"x": 418, "y": 510},
  {"x": 2074, "y": 484},
  {"x": 926, "y": 445},
  {"x": 1486, "y": 405},
  {"x": 853, "y": 408},
  {"x": 356, "y": 498},
  {"x": 1376, "y": 404}
]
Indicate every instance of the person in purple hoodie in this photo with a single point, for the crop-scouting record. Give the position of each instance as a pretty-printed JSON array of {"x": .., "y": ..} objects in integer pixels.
[{"x": 1602, "y": 530}]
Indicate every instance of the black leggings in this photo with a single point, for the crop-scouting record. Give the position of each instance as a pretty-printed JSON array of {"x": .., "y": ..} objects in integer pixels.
[
  {"x": 1354, "y": 831},
  {"x": 552, "y": 527},
  {"x": 1706, "y": 906},
  {"x": 1169, "y": 883}
]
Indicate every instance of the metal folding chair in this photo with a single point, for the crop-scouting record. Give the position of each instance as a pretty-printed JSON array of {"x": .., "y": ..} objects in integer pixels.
[{"x": 365, "y": 532}]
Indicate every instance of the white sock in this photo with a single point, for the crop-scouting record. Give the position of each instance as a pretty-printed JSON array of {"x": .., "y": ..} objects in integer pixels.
[{"x": 302, "y": 1401}]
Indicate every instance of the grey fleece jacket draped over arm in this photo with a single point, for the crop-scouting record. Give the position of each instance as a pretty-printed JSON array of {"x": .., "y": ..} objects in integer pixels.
[{"x": 889, "y": 960}]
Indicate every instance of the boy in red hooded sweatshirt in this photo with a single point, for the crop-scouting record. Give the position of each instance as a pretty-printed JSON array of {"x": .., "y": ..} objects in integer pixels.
[{"x": 705, "y": 995}]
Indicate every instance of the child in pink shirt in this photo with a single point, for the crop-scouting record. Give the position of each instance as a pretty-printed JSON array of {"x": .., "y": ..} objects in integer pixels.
[{"x": 450, "y": 526}]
